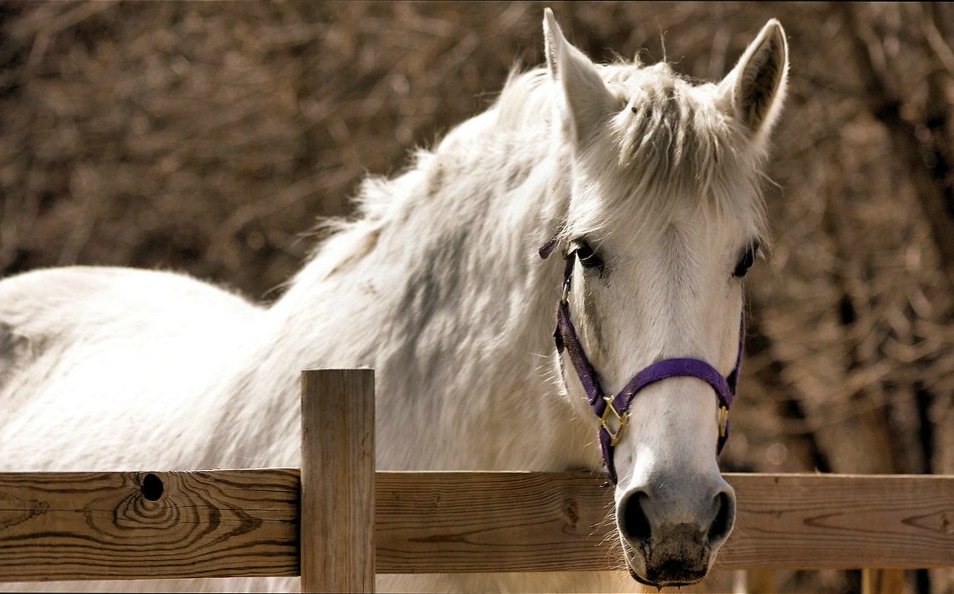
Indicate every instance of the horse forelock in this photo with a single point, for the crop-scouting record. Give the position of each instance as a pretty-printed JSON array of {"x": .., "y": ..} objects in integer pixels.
[{"x": 672, "y": 141}]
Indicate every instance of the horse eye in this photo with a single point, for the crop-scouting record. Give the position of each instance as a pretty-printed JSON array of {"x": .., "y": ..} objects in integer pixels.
[
  {"x": 588, "y": 258},
  {"x": 746, "y": 261}
]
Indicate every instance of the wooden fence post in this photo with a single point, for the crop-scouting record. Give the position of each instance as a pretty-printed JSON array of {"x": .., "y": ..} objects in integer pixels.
[
  {"x": 760, "y": 581},
  {"x": 337, "y": 480},
  {"x": 882, "y": 581}
]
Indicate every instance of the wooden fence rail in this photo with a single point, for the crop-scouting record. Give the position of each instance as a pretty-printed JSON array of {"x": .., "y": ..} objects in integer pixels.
[{"x": 275, "y": 522}]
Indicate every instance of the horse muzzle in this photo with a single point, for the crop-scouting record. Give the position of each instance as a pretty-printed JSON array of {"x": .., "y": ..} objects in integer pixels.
[
  {"x": 678, "y": 559},
  {"x": 670, "y": 539}
]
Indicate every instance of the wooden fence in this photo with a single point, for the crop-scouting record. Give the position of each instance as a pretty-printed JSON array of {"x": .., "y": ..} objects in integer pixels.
[{"x": 337, "y": 522}]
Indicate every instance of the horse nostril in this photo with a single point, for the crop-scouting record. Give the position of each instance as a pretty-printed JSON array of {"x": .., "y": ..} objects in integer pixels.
[
  {"x": 724, "y": 518},
  {"x": 633, "y": 521}
]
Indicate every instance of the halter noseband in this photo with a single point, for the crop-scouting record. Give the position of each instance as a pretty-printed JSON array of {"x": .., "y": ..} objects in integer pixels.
[{"x": 613, "y": 411}]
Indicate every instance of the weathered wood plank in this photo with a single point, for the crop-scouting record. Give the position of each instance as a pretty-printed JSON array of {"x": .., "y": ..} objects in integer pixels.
[
  {"x": 127, "y": 525},
  {"x": 337, "y": 506},
  {"x": 231, "y": 523},
  {"x": 784, "y": 522},
  {"x": 841, "y": 522},
  {"x": 518, "y": 521}
]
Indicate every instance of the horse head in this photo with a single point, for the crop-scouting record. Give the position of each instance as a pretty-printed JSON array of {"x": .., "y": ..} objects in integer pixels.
[{"x": 664, "y": 217}]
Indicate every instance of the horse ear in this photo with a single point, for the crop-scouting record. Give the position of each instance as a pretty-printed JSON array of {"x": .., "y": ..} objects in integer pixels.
[
  {"x": 588, "y": 101},
  {"x": 756, "y": 86}
]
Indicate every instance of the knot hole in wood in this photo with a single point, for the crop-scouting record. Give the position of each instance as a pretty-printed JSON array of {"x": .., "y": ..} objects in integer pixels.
[{"x": 152, "y": 487}]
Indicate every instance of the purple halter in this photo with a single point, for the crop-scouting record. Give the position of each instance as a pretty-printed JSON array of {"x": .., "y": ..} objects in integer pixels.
[{"x": 613, "y": 410}]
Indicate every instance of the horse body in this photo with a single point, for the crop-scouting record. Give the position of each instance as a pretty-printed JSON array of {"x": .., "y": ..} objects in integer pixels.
[
  {"x": 438, "y": 286},
  {"x": 119, "y": 354}
]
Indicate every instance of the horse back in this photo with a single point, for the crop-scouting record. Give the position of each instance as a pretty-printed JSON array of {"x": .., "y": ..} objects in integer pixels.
[
  {"x": 105, "y": 346},
  {"x": 84, "y": 305}
]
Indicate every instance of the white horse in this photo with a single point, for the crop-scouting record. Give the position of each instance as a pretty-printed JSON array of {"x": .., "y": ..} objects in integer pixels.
[{"x": 645, "y": 183}]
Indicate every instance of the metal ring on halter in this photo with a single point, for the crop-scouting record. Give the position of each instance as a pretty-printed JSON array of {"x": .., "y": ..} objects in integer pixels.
[
  {"x": 723, "y": 421},
  {"x": 621, "y": 419}
]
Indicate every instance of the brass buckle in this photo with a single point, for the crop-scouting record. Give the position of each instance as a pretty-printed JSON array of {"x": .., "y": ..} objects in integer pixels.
[
  {"x": 620, "y": 421},
  {"x": 723, "y": 420}
]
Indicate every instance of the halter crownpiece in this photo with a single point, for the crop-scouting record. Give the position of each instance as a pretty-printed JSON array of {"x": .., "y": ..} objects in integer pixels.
[{"x": 613, "y": 411}]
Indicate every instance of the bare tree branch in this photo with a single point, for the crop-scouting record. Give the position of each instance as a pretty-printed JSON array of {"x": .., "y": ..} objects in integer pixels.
[{"x": 927, "y": 155}]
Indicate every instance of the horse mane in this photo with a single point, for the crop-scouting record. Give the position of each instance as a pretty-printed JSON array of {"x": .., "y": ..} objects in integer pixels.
[
  {"x": 379, "y": 198},
  {"x": 672, "y": 137}
]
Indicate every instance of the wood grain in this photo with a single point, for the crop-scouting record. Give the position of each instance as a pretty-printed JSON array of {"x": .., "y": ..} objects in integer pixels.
[
  {"x": 337, "y": 480},
  {"x": 519, "y": 522},
  {"x": 244, "y": 522},
  {"x": 841, "y": 522},
  {"x": 474, "y": 522},
  {"x": 75, "y": 525}
]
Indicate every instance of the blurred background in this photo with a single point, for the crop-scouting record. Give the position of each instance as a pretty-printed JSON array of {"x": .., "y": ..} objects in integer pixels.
[{"x": 209, "y": 137}]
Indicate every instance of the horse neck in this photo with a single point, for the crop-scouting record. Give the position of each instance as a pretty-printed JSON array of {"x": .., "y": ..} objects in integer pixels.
[{"x": 443, "y": 294}]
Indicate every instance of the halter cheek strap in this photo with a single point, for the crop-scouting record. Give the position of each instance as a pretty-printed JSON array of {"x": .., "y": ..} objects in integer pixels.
[{"x": 613, "y": 411}]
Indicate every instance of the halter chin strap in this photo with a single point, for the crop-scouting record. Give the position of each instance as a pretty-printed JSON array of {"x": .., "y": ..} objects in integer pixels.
[{"x": 613, "y": 411}]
